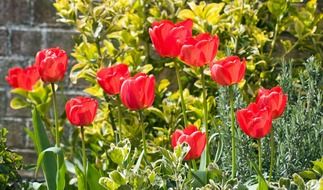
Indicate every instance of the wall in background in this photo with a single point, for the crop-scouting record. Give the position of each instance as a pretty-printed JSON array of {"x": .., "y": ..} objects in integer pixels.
[{"x": 26, "y": 26}]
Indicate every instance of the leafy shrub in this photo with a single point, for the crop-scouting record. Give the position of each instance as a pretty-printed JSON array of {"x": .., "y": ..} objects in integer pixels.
[{"x": 10, "y": 163}]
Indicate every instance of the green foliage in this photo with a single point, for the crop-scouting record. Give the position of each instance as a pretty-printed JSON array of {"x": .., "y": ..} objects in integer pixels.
[
  {"x": 10, "y": 163},
  {"x": 266, "y": 33},
  {"x": 42, "y": 143}
]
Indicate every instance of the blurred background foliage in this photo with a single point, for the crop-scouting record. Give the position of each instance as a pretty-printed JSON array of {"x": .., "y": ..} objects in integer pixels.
[{"x": 281, "y": 40}]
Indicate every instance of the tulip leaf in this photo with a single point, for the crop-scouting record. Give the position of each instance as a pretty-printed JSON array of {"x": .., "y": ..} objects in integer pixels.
[
  {"x": 18, "y": 103},
  {"x": 54, "y": 150},
  {"x": 19, "y": 91},
  {"x": 262, "y": 182},
  {"x": 80, "y": 177},
  {"x": 93, "y": 177},
  {"x": 136, "y": 168},
  {"x": 41, "y": 142}
]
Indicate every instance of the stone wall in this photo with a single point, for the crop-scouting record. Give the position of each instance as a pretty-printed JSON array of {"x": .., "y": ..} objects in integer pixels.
[{"x": 26, "y": 26}]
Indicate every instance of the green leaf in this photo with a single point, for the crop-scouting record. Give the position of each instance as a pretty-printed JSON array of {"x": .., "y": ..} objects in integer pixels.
[
  {"x": 61, "y": 175},
  {"x": 284, "y": 182},
  {"x": 277, "y": 7},
  {"x": 199, "y": 178},
  {"x": 203, "y": 161},
  {"x": 93, "y": 177},
  {"x": 41, "y": 143},
  {"x": 158, "y": 113},
  {"x": 308, "y": 174},
  {"x": 262, "y": 184},
  {"x": 18, "y": 103},
  {"x": 146, "y": 68},
  {"x": 95, "y": 90},
  {"x": 136, "y": 168},
  {"x": 117, "y": 177},
  {"x": 19, "y": 91},
  {"x": 54, "y": 150},
  {"x": 299, "y": 181},
  {"x": 163, "y": 84},
  {"x": 108, "y": 183},
  {"x": 80, "y": 177}
]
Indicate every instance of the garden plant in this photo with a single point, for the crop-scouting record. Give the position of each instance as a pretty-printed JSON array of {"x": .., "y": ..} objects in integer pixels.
[{"x": 177, "y": 95}]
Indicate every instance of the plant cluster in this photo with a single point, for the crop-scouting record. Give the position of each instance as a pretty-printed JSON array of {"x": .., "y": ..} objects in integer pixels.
[{"x": 176, "y": 127}]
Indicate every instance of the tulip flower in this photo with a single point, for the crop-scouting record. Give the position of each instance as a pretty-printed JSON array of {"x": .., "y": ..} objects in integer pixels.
[
  {"x": 274, "y": 99},
  {"x": 200, "y": 50},
  {"x": 111, "y": 78},
  {"x": 81, "y": 111},
  {"x": 51, "y": 64},
  {"x": 168, "y": 37},
  {"x": 228, "y": 71},
  {"x": 254, "y": 121},
  {"x": 138, "y": 92},
  {"x": 22, "y": 78},
  {"x": 193, "y": 137}
]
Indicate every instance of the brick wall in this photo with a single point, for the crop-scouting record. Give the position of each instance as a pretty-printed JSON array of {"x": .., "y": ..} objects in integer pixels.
[{"x": 26, "y": 26}]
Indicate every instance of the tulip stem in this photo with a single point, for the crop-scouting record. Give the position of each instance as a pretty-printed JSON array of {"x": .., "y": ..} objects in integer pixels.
[
  {"x": 84, "y": 158},
  {"x": 57, "y": 143},
  {"x": 142, "y": 127},
  {"x": 181, "y": 93},
  {"x": 234, "y": 157},
  {"x": 112, "y": 121},
  {"x": 55, "y": 116},
  {"x": 259, "y": 159},
  {"x": 272, "y": 153},
  {"x": 205, "y": 116},
  {"x": 194, "y": 165},
  {"x": 119, "y": 120}
]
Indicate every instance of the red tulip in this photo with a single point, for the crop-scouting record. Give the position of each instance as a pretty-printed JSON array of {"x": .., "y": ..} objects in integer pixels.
[
  {"x": 138, "y": 92},
  {"x": 274, "y": 99},
  {"x": 228, "y": 71},
  {"x": 52, "y": 64},
  {"x": 254, "y": 121},
  {"x": 111, "y": 78},
  {"x": 22, "y": 78},
  {"x": 168, "y": 37},
  {"x": 81, "y": 111},
  {"x": 200, "y": 50},
  {"x": 193, "y": 137}
]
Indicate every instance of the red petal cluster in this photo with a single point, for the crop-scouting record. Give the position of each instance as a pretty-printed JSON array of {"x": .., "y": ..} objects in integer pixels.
[
  {"x": 51, "y": 64},
  {"x": 24, "y": 78},
  {"x": 193, "y": 137},
  {"x": 81, "y": 111}
]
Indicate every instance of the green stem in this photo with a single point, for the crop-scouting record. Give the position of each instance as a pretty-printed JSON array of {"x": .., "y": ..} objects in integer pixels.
[
  {"x": 205, "y": 115},
  {"x": 181, "y": 93},
  {"x": 233, "y": 136},
  {"x": 57, "y": 143},
  {"x": 119, "y": 121},
  {"x": 194, "y": 165},
  {"x": 84, "y": 158},
  {"x": 142, "y": 127},
  {"x": 113, "y": 124},
  {"x": 272, "y": 153},
  {"x": 275, "y": 37},
  {"x": 259, "y": 158}
]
